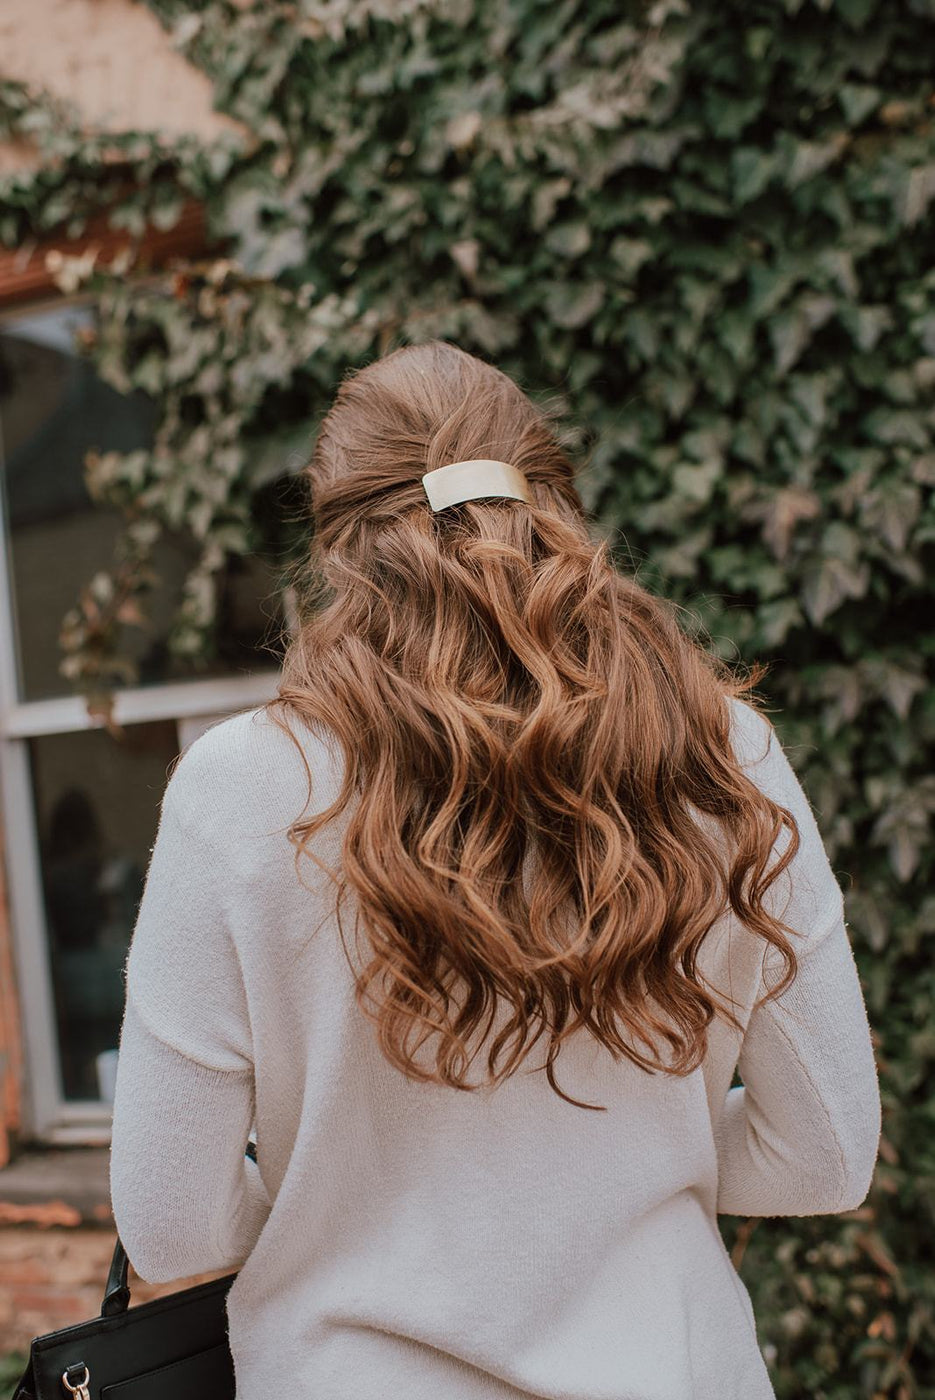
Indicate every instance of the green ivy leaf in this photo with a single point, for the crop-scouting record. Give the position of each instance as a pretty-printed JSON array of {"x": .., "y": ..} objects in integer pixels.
[{"x": 858, "y": 100}]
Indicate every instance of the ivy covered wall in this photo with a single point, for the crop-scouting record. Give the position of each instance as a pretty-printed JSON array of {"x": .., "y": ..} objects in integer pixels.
[{"x": 709, "y": 226}]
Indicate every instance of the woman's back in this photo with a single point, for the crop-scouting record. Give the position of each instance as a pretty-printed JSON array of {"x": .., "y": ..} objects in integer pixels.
[{"x": 409, "y": 1238}]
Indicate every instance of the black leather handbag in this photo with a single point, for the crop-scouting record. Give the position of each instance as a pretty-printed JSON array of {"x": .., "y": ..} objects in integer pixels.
[{"x": 171, "y": 1348}]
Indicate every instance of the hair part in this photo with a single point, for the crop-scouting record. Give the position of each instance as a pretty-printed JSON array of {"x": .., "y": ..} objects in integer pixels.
[{"x": 513, "y": 711}]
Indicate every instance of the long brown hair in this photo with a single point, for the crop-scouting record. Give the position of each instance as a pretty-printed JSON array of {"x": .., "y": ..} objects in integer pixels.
[{"x": 501, "y": 691}]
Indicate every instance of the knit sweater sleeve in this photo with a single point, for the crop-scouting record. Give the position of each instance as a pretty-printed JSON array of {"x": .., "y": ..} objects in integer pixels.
[
  {"x": 800, "y": 1135},
  {"x": 186, "y": 1199}
]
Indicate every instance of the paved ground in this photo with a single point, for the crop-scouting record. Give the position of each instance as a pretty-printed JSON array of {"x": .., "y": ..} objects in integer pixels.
[{"x": 66, "y": 1186}]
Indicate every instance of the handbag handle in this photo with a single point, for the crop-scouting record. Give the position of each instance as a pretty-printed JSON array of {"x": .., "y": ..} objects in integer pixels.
[{"x": 117, "y": 1288}]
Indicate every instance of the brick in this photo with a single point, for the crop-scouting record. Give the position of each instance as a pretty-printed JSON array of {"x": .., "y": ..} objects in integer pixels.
[
  {"x": 44, "y": 1213},
  {"x": 23, "y": 1271},
  {"x": 55, "y": 1275}
]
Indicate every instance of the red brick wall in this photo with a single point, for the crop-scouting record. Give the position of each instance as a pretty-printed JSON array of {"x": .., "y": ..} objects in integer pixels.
[{"x": 52, "y": 1277}]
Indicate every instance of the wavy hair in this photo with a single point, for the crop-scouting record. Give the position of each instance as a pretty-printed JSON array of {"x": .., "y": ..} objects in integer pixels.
[{"x": 504, "y": 697}]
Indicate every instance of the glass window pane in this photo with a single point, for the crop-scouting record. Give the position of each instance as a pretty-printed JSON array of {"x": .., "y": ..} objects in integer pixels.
[
  {"x": 53, "y": 409},
  {"x": 97, "y": 807}
]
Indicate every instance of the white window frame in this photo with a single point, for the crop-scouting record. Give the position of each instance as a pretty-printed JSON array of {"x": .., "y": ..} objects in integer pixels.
[{"x": 47, "y": 1115}]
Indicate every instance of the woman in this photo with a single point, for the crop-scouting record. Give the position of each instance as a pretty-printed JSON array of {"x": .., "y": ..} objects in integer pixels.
[{"x": 494, "y": 1128}]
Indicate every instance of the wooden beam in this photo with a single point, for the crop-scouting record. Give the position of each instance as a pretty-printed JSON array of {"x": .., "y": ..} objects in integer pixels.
[{"x": 24, "y": 274}]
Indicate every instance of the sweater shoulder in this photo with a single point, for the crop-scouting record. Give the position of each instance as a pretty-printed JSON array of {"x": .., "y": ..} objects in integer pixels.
[
  {"x": 815, "y": 898},
  {"x": 250, "y": 773},
  {"x": 752, "y": 734}
]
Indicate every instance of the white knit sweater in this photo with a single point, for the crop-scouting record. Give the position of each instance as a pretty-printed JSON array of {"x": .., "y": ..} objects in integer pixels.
[{"x": 409, "y": 1240}]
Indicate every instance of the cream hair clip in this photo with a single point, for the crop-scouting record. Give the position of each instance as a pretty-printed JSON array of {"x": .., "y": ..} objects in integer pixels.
[{"x": 479, "y": 476}]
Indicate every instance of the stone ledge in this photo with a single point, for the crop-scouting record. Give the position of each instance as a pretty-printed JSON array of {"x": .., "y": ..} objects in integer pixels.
[{"x": 57, "y": 1186}]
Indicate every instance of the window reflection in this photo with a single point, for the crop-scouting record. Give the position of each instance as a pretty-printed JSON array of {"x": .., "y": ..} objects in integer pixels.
[
  {"x": 97, "y": 804},
  {"x": 53, "y": 409}
]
